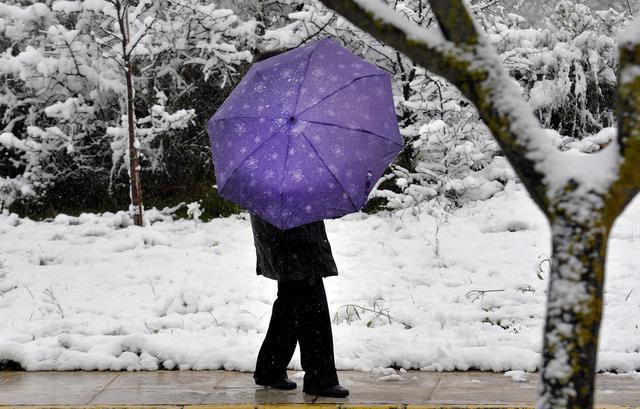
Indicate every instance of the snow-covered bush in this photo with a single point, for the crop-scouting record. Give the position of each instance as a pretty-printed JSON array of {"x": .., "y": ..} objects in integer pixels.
[
  {"x": 566, "y": 66},
  {"x": 62, "y": 104}
]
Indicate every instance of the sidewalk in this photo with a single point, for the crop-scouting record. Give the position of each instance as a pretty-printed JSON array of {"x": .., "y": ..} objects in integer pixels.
[{"x": 211, "y": 388}]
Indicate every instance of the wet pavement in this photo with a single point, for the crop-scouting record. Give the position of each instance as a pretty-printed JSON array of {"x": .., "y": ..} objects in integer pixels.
[{"x": 426, "y": 389}]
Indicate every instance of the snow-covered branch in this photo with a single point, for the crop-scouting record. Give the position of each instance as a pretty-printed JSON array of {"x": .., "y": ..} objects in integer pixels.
[
  {"x": 628, "y": 106},
  {"x": 474, "y": 67}
]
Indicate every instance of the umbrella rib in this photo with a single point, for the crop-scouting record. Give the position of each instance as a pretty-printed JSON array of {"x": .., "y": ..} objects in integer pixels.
[
  {"x": 295, "y": 106},
  {"x": 304, "y": 77},
  {"x": 353, "y": 129},
  {"x": 284, "y": 172},
  {"x": 251, "y": 153},
  {"x": 329, "y": 170},
  {"x": 336, "y": 91},
  {"x": 248, "y": 117}
]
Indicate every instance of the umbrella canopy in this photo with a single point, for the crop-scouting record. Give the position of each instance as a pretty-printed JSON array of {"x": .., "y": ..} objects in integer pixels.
[{"x": 305, "y": 135}]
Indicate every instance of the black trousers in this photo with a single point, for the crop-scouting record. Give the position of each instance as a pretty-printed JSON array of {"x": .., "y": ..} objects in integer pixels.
[{"x": 300, "y": 314}]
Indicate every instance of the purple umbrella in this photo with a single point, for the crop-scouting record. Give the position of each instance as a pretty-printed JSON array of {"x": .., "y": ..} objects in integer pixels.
[{"x": 305, "y": 135}]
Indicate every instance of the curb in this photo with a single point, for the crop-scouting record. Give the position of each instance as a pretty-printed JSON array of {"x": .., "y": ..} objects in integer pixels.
[{"x": 300, "y": 406}]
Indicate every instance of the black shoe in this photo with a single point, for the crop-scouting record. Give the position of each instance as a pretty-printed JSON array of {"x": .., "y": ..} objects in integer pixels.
[
  {"x": 284, "y": 384},
  {"x": 335, "y": 391}
]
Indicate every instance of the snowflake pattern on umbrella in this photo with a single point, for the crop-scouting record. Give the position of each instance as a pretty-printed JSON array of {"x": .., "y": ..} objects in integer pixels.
[{"x": 305, "y": 135}]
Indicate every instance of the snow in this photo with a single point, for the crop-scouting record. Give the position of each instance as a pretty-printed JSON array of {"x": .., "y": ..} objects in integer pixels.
[
  {"x": 579, "y": 166},
  {"x": 9, "y": 141},
  {"x": 432, "y": 37},
  {"x": 67, "y": 7},
  {"x": 543, "y": 93},
  {"x": 32, "y": 12},
  {"x": 517, "y": 376},
  {"x": 595, "y": 142},
  {"x": 194, "y": 210},
  {"x": 94, "y": 5},
  {"x": 631, "y": 33},
  {"x": 64, "y": 110},
  {"x": 134, "y": 40},
  {"x": 391, "y": 378},
  {"x": 95, "y": 292}
]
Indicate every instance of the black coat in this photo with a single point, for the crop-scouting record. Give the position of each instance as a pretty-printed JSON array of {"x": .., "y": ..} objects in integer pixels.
[{"x": 293, "y": 254}]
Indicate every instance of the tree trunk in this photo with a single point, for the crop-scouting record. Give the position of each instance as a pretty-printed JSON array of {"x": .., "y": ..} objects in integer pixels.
[
  {"x": 134, "y": 156},
  {"x": 574, "y": 312},
  {"x": 134, "y": 160}
]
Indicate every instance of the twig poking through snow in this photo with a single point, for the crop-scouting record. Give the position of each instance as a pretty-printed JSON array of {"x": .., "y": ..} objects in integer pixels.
[
  {"x": 153, "y": 289},
  {"x": 51, "y": 299},
  {"x": 350, "y": 312},
  {"x": 542, "y": 258},
  {"x": 479, "y": 294}
]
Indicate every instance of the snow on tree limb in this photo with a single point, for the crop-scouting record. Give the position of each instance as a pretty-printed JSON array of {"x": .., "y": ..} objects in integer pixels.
[
  {"x": 8, "y": 140},
  {"x": 431, "y": 38},
  {"x": 628, "y": 106},
  {"x": 396, "y": 31}
]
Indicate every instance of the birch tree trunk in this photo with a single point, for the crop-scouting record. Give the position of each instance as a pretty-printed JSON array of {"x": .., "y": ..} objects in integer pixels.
[{"x": 135, "y": 187}]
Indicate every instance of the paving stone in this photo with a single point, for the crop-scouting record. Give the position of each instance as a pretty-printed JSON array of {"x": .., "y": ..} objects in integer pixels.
[
  {"x": 54, "y": 388},
  {"x": 148, "y": 396},
  {"x": 479, "y": 387},
  {"x": 256, "y": 395},
  {"x": 410, "y": 388},
  {"x": 617, "y": 390},
  {"x": 202, "y": 381}
]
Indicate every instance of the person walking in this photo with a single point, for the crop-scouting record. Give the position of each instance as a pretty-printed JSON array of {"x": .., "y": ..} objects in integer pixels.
[
  {"x": 302, "y": 138},
  {"x": 298, "y": 258}
]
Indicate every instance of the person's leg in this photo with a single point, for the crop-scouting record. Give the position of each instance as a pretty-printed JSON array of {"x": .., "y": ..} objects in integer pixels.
[
  {"x": 315, "y": 337},
  {"x": 280, "y": 341}
]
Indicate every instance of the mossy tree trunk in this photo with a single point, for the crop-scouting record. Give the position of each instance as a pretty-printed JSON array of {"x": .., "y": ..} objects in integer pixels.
[
  {"x": 580, "y": 211},
  {"x": 574, "y": 311}
]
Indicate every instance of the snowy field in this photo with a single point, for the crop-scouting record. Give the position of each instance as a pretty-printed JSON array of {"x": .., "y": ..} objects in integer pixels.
[{"x": 90, "y": 293}]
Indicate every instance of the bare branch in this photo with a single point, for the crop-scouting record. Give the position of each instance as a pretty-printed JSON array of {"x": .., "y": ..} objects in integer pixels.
[
  {"x": 139, "y": 37},
  {"x": 320, "y": 30}
]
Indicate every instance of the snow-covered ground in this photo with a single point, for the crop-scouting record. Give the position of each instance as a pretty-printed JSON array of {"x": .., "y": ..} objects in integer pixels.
[{"x": 88, "y": 293}]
